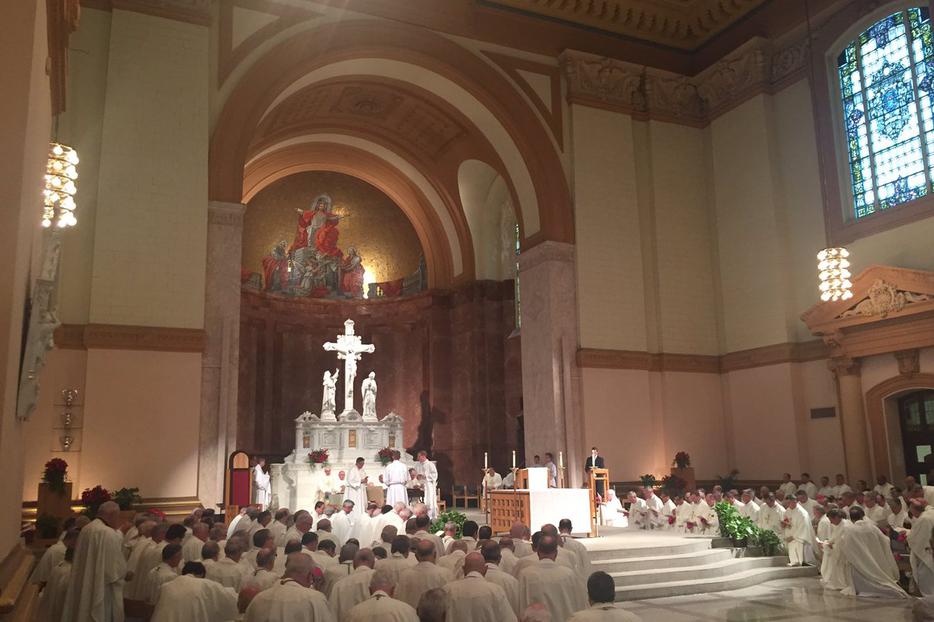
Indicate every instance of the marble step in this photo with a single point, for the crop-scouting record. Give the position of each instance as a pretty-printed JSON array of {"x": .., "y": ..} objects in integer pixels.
[
  {"x": 738, "y": 579},
  {"x": 662, "y": 548},
  {"x": 717, "y": 568},
  {"x": 657, "y": 562}
]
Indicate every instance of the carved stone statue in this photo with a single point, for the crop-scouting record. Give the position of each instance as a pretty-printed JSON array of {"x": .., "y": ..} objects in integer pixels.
[
  {"x": 349, "y": 348},
  {"x": 368, "y": 388},
  {"x": 330, "y": 391}
]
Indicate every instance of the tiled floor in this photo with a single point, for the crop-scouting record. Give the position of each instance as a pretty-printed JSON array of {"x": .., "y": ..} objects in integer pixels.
[{"x": 801, "y": 600}]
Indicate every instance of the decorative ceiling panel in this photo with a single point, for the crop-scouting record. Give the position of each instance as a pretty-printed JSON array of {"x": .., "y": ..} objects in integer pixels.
[{"x": 683, "y": 24}]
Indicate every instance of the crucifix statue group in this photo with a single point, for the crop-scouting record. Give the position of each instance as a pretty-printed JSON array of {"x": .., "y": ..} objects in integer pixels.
[{"x": 350, "y": 348}]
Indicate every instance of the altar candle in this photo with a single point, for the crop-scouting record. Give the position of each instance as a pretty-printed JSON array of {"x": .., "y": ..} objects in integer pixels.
[
  {"x": 561, "y": 459},
  {"x": 513, "y": 458},
  {"x": 485, "y": 464}
]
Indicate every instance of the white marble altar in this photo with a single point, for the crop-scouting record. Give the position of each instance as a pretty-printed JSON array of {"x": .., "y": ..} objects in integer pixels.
[{"x": 346, "y": 437}]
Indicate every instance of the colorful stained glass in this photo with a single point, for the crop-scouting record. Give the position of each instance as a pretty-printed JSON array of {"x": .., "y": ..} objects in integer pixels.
[{"x": 886, "y": 79}]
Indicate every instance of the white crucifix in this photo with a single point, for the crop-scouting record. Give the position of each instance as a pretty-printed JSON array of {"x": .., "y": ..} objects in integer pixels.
[{"x": 349, "y": 348}]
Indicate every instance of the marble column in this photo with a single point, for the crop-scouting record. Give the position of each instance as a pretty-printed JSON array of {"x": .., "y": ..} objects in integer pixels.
[
  {"x": 219, "y": 374},
  {"x": 550, "y": 378},
  {"x": 852, "y": 419}
]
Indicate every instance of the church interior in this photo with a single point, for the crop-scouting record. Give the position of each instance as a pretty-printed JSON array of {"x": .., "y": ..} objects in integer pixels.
[{"x": 648, "y": 226}]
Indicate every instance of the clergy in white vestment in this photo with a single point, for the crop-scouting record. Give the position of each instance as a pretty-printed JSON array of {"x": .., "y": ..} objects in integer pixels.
[
  {"x": 825, "y": 490},
  {"x": 510, "y": 479},
  {"x": 556, "y": 587},
  {"x": 395, "y": 476},
  {"x": 344, "y": 522},
  {"x": 164, "y": 572},
  {"x": 95, "y": 587},
  {"x": 381, "y": 606},
  {"x": 357, "y": 481},
  {"x": 750, "y": 508},
  {"x": 192, "y": 598},
  {"x": 922, "y": 561},
  {"x": 302, "y": 525},
  {"x": 426, "y": 574},
  {"x": 493, "y": 555},
  {"x": 806, "y": 503},
  {"x": 265, "y": 576},
  {"x": 262, "y": 487},
  {"x": 797, "y": 532},
  {"x": 870, "y": 566},
  {"x": 653, "y": 509},
  {"x": 400, "y": 558},
  {"x": 191, "y": 549},
  {"x": 422, "y": 525},
  {"x": 667, "y": 514},
  {"x": 601, "y": 593},
  {"x": 565, "y": 528},
  {"x": 684, "y": 514},
  {"x": 146, "y": 555},
  {"x": 612, "y": 511},
  {"x": 883, "y": 487},
  {"x": 473, "y": 598},
  {"x": 427, "y": 474},
  {"x": 491, "y": 481},
  {"x": 229, "y": 572},
  {"x": 771, "y": 514},
  {"x": 342, "y": 569},
  {"x": 552, "y": 470},
  {"x": 329, "y": 486},
  {"x": 875, "y": 512},
  {"x": 709, "y": 519},
  {"x": 325, "y": 555},
  {"x": 52, "y": 598},
  {"x": 638, "y": 512},
  {"x": 53, "y": 556},
  {"x": 840, "y": 487},
  {"x": 279, "y": 527},
  {"x": 354, "y": 589},
  {"x": 898, "y": 515},
  {"x": 808, "y": 485},
  {"x": 833, "y": 564},
  {"x": 787, "y": 487},
  {"x": 454, "y": 560},
  {"x": 293, "y": 599}
]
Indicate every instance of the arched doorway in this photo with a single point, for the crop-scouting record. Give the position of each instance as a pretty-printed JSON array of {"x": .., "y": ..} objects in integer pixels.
[{"x": 916, "y": 419}]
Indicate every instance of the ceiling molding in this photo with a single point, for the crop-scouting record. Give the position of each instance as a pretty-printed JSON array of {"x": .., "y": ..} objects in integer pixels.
[
  {"x": 552, "y": 111},
  {"x": 681, "y": 24},
  {"x": 758, "y": 66}
]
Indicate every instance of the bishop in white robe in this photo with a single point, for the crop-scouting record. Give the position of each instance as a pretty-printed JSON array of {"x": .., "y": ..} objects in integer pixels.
[
  {"x": 474, "y": 599},
  {"x": 870, "y": 566},
  {"x": 357, "y": 480},
  {"x": 612, "y": 511},
  {"x": 95, "y": 587},
  {"x": 395, "y": 477},
  {"x": 262, "y": 487},
  {"x": 427, "y": 474}
]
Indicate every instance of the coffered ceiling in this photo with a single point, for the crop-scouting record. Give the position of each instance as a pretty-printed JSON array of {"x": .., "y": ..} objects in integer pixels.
[{"x": 682, "y": 24}]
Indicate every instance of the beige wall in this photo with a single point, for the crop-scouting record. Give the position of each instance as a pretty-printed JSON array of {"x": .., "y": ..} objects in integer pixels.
[
  {"x": 151, "y": 220},
  {"x": 25, "y": 114}
]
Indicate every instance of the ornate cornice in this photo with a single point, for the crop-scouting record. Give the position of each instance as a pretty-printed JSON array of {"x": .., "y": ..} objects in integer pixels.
[
  {"x": 758, "y": 66},
  {"x": 62, "y": 20},
  {"x": 119, "y": 337},
  {"x": 189, "y": 11},
  {"x": 547, "y": 251},
  {"x": 223, "y": 213}
]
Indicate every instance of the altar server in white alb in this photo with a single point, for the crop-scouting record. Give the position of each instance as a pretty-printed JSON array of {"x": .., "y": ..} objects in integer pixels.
[
  {"x": 357, "y": 481},
  {"x": 261, "y": 484},
  {"x": 395, "y": 476},
  {"x": 427, "y": 474},
  {"x": 95, "y": 589},
  {"x": 798, "y": 532}
]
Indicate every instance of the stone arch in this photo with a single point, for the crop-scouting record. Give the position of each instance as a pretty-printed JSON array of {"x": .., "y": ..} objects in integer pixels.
[
  {"x": 485, "y": 198},
  {"x": 880, "y": 424},
  {"x": 409, "y": 54}
]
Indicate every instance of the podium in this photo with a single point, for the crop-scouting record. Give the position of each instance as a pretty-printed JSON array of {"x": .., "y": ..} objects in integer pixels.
[
  {"x": 534, "y": 504},
  {"x": 597, "y": 476}
]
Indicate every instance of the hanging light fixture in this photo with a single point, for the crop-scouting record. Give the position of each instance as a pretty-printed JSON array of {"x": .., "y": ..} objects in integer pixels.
[
  {"x": 832, "y": 263},
  {"x": 60, "y": 175}
]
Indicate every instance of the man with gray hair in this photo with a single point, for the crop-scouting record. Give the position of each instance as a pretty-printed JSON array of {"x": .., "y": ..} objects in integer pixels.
[
  {"x": 433, "y": 606},
  {"x": 425, "y": 575},
  {"x": 492, "y": 555},
  {"x": 292, "y": 599},
  {"x": 381, "y": 606},
  {"x": 95, "y": 588},
  {"x": 229, "y": 572},
  {"x": 353, "y": 590},
  {"x": 474, "y": 599},
  {"x": 557, "y": 587}
]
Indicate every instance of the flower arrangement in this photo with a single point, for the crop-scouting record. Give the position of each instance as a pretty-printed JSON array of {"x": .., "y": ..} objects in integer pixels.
[
  {"x": 648, "y": 480},
  {"x": 93, "y": 498},
  {"x": 54, "y": 474},
  {"x": 673, "y": 485},
  {"x": 127, "y": 497},
  {"x": 384, "y": 456},
  {"x": 318, "y": 456},
  {"x": 682, "y": 460}
]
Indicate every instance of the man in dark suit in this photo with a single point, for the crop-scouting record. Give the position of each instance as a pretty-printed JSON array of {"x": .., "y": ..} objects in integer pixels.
[{"x": 594, "y": 461}]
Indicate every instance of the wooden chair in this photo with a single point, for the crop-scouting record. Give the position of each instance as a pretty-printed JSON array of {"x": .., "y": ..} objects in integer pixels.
[
  {"x": 466, "y": 494},
  {"x": 238, "y": 491},
  {"x": 442, "y": 504}
]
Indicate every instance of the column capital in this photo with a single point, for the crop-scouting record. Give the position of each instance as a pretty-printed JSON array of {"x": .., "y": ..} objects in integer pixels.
[
  {"x": 224, "y": 213},
  {"x": 909, "y": 361},
  {"x": 844, "y": 366},
  {"x": 547, "y": 251}
]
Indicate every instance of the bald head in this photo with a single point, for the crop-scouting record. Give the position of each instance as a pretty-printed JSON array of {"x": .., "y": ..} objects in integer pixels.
[
  {"x": 201, "y": 531},
  {"x": 507, "y": 543},
  {"x": 459, "y": 545},
  {"x": 425, "y": 551},
  {"x": 300, "y": 568},
  {"x": 491, "y": 551},
  {"x": 518, "y": 531},
  {"x": 548, "y": 547},
  {"x": 382, "y": 580},
  {"x": 474, "y": 562},
  {"x": 364, "y": 557}
]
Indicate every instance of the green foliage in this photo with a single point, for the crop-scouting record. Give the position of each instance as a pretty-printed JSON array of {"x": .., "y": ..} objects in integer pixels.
[
  {"x": 648, "y": 480},
  {"x": 734, "y": 525},
  {"x": 451, "y": 516},
  {"x": 728, "y": 482},
  {"x": 47, "y": 526},
  {"x": 768, "y": 540},
  {"x": 126, "y": 498},
  {"x": 674, "y": 485}
]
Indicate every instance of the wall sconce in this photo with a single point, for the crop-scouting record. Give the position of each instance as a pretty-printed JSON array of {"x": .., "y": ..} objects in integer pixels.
[{"x": 832, "y": 263}]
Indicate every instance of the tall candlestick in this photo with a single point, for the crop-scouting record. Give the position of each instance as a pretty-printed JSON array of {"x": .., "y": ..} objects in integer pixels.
[
  {"x": 513, "y": 458},
  {"x": 561, "y": 459},
  {"x": 485, "y": 463}
]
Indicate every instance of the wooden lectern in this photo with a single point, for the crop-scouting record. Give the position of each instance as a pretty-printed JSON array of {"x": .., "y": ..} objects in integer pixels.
[{"x": 597, "y": 476}]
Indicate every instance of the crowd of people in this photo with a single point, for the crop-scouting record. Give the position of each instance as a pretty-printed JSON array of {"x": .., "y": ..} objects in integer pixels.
[
  {"x": 856, "y": 535},
  {"x": 388, "y": 563}
]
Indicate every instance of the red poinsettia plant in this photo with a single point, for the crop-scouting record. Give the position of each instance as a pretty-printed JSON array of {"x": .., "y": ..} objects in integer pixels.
[
  {"x": 318, "y": 456},
  {"x": 384, "y": 456},
  {"x": 54, "y": 474},
  {"x": 93, "y": 498},
  {"x": 682, "y": 460}
]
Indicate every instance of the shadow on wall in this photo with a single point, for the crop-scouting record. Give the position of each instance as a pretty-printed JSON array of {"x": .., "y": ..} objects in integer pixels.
[{"x": 425, "y": 440}]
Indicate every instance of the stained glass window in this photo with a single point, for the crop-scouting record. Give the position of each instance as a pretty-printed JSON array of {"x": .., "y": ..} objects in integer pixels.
[{"x": 886, "y": 83}]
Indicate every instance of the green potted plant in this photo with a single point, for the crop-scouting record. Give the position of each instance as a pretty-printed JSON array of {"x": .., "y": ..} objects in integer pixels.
[
  {"x": 728, "y": 482},
  {"x": 451, "y": 516},
  {"x": 681, "y": 467},
  {"x": 47, "y": 527},
  {"x": 769, "y": 542},
  {"x": 648, "y": 480},
  {"x": 733, "y": 525},
  {"x": 126, "y": 498},
  {"x": 673, "y": 485}
]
